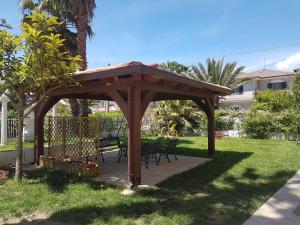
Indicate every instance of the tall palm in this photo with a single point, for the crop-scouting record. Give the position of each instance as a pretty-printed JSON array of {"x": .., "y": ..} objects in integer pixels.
[
  {"x": 78, "y": 13},
  {"x": 174, "y": 67},
  {"x": 216, "y": 72},
  {"x": 83, "y": 13}
]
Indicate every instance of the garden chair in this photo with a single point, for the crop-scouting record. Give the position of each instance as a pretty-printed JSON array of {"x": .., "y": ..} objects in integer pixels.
[
  {"x": 170, "y": 148},
  {"x": 149, "y": 150},
  {"x": 123, "y": 147},
  {"x": 109, "y": 144}
]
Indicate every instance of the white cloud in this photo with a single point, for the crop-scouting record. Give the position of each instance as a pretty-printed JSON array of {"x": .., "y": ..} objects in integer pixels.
[{"x": 289, "y": 63}]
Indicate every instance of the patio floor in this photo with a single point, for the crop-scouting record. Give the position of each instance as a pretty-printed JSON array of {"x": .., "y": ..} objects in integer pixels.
[{"x": 116, "y": 173}]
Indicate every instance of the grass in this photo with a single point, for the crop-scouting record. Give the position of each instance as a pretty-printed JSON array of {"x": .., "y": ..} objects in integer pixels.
[
  {"x": 11, "y": 145},
  {"x": 243, "y": 174}
]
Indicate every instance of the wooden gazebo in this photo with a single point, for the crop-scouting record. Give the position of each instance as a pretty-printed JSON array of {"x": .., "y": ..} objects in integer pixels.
[{"x": 133, "y": 86}]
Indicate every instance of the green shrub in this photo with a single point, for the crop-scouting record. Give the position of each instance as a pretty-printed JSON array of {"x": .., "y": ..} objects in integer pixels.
[
  {"x": 274, "y": 101},
  {"x": 226, "y": 119},
  {"x": 109, "y": 114},
  {"x": 287, "y": 121},
  {"x": 259, "y": 125}
]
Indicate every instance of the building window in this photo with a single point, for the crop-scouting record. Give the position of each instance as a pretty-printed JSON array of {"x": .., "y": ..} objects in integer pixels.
[
  {"x": 239, "y": 90},
  {"x": 236, "y": 108},
  {"x": 277, "y": 86}
]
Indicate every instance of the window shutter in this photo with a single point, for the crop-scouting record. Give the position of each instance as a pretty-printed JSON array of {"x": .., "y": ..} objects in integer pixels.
[{"x": 270, "y": 85}]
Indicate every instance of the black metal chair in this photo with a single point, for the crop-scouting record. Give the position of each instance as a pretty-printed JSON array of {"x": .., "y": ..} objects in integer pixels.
[
  {"x": 149, "y": 150},
  {"x": 123, "y": 148},
  {"x": 108, "y": 144},
  {"x": 166, "y": 150}
]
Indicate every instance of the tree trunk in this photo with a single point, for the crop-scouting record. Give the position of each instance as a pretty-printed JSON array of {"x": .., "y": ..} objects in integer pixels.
[
  {"x": 19, "y": 160},
  {"x": 74, "y": 107},
  {"x": 84, "y": 108},
  {"x": 82, "y": 25}
]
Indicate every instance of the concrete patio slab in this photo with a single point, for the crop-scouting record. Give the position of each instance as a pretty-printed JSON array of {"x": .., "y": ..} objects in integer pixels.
[
  {"x": 282, "y": 208},
  {"x": 116, "y": 173}
]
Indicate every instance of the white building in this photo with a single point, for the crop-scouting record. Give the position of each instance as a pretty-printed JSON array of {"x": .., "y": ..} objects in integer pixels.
[{"x": 252, "y": 83}]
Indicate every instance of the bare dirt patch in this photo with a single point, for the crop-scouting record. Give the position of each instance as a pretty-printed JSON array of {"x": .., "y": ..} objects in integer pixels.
[{"x": 35, "y": 218}]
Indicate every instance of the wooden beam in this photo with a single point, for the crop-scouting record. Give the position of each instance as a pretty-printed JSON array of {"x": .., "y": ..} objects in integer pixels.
[
  {"x": 120, "y": 101},
  {"x": 96, "y": 87},
  {"x": 164, "y": 88},
  {"x": 150, "y": 95},
  {"x": 39, "y": 114},
  {"x": 211, "y": 126}
]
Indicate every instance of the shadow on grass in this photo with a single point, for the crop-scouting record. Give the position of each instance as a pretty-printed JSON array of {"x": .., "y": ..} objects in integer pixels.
[
  {"x": 211, "y": 204},
  {"x": 207, "y": 194},
  {"x": 58, "y": 181},
  {"x": 199, "y": 177}
]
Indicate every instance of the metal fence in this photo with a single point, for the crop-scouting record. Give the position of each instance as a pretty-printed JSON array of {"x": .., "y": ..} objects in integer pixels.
[{"x": 12, "y": 128}]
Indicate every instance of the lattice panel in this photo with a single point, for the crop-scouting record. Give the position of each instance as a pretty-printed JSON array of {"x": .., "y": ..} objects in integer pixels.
[
  {"x": 73, "y": 137},
  {"x": 77, "y": 137}
]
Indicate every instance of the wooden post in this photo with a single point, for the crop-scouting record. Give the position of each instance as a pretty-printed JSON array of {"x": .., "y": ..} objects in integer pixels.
[
  {"x": 208, "y": 106},
  {"x": 38, "y": 137},
  {"x": 39, "y": 114},
  {"x": 210, "y": 131},
  {"x": 134, "y": 136}
]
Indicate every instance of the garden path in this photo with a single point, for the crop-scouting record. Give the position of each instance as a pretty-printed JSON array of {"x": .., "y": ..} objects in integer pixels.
[{"x": 282, "y": 208}]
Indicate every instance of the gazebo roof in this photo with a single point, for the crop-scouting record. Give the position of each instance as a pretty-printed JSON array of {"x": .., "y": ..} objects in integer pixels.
[
  {"x": 94, "y": 83},
  {"x": 151, "y": 71}
]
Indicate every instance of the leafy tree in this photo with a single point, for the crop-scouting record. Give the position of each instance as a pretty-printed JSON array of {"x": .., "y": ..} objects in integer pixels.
[
  {"x": 274, "y": 101},
  {"x": 174, "y": 67},
  {"x": 272, "y": 111},
  {"x": 42, "y": 66},
  {"x": 78, "y": 13}
]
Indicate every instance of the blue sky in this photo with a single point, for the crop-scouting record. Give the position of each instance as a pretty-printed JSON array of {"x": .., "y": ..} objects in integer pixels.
[{"x": 153, "y": 31}]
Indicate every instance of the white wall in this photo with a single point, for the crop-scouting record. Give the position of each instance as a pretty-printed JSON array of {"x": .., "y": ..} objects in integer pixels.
[{"x": 9, "y": 157}]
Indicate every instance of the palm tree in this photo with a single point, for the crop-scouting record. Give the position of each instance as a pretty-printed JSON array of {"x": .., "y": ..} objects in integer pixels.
[
  {"x": 78, "y": 13},
  {"x": 83, "y": 13},
  {"x": 174, "y": 67},
  {"x": 175, "y": 117},
  {"x": 216, "y": 72}
]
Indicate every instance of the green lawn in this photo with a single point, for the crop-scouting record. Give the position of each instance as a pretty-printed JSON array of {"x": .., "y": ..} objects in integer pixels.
[
  {"x": 11, "y": 145},
  {"x": 227, "y": 190}
]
